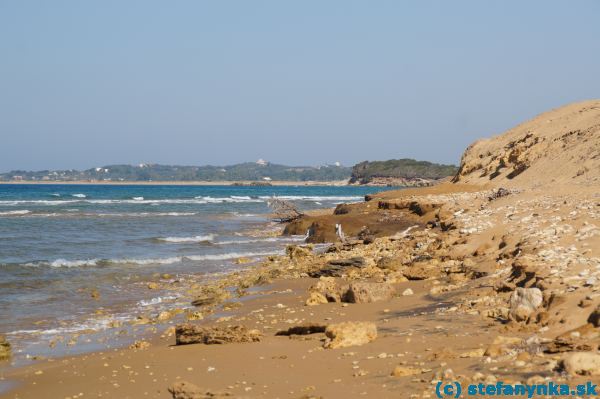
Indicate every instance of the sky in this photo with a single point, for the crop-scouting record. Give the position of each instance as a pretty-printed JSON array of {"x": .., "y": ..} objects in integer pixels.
[{"x": 91, "y": 83}]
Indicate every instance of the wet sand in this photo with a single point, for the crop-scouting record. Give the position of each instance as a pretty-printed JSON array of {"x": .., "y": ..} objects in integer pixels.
[{"x": 413, "y": 329}]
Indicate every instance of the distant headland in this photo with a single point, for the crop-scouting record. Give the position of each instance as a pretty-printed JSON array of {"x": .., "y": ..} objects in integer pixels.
[{"x": 407, "y": 172}]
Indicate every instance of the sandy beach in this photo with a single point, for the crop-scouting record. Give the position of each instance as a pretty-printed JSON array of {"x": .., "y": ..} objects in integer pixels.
[{"x": 492, "y": 277}]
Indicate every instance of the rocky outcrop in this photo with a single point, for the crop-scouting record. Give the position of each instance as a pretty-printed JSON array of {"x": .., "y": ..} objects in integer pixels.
[
  {"x": 327, "y": 290},
  {"x": 339, "y": 267},
  {"x": 210, "y": 295},
  {"x": 346, "y": 334},
  {"x": 397, "y": 182},
  {"x": 366, "y": 292},
  {"x": 192, "y": 334},
  {"x": 399, "y": 172}
]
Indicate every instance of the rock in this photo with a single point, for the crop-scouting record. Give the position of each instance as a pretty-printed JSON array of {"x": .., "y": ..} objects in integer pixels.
[
  {"x": 369, "y": 240},
  {"x": 304, "y": 329},
  {"x": 595, "y": 317},
  {"x": 153, "y": 286},
  {"x": 407, "y": 292},
  {"x": 316, "y": 298},
  {"x": 211, "y": 296},
  {"x": 139, "y": 345},
  {"x": 366, "y": 292},
  {"x": 390, "y": 263},
  {"x": 421, "y": 271},
  {"x": 164, "y": 315},
  {"x": 296, "y": 251},
  {"x": 524, "y": 302},
  {"x": 346, "y": 334},
  {"x": 194, "y": 316},
  {"x": 357, "y": 261},
  {"x": 342, "y": 209},
  {"x": 366, "y": 235},
  {"x": 581, "y": 339},
  {"x": 186, "y": 390},
  {"x": 502, "y": 346},
  {"x": 499, "y": 193},
  {"x": 5, "y": 350},
  {"x": 404, "y": 371},
  {"x": 192, "y": 334},
  {"x": 582, "y": 363},
  {"x": 338, "y": 267},
  {"x": 328, "y": 288}
]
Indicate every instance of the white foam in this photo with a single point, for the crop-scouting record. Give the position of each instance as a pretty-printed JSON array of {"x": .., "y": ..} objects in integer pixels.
[
  {"x": 232, "y": 255},
  {"x": 315, "y": 198},
  {"x": 73, "y": 263},
  {"x": 72, "y": 213},
  {"x": 231, "y": 199},
  {"x": 191, "y": 201},
  {"x": 36, "y": 202},
  {"x": 141, "y": 214},
  {"x": 208, "y": 237},
  {"x": 15, "y": 213},
  {"x": 151, "y": 261},
  {"x": 258, "y": 240},
  {"x": 156, "y": 301},
  {"x": 89, "y": 324}
]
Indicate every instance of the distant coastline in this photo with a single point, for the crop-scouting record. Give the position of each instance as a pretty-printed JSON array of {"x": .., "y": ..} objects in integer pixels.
[{"x": 179, "y": 183}]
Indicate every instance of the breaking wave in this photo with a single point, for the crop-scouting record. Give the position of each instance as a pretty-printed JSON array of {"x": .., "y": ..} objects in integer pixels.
[
  {"x": 259, "y": 240},
  {"x": 15, "y": 213},
  {"x": 206, "y": 238},
  {"x": 195, "y": 200},
  {"x": 149, "y": 261}
]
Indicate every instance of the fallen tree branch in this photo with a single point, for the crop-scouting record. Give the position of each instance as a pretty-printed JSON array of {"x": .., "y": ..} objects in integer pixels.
[{"x": 283, "y": 211}]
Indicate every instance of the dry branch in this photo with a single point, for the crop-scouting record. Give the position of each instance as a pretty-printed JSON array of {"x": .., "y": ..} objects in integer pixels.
[{"x": 283, "y": 211}]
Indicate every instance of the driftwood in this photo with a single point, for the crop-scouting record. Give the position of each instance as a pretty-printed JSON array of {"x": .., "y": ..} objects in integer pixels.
[{"x": 283, "y": 211}]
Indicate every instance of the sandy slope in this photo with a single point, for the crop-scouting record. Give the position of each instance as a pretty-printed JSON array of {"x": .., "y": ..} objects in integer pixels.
[{"x": 561, "y": 146}]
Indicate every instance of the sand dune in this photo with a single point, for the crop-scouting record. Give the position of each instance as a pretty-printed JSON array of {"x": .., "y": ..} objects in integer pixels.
[{"x": 559, "y": 146}]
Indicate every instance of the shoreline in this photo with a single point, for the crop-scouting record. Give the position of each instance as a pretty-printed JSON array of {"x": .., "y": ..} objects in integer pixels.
[{"x": 449, "y": 317}]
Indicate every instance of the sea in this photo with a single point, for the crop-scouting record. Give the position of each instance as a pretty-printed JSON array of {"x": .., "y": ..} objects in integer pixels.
[{"x": 69, "y": 253}]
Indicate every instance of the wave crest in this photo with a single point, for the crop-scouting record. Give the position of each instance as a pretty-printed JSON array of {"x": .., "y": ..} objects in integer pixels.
[
  {"x": 206, "y": 238},
  {"x": 150, "y": 261}
]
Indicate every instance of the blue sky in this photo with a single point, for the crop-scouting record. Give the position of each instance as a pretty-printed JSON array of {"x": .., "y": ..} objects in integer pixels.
[{"x": 85, "y": 83}]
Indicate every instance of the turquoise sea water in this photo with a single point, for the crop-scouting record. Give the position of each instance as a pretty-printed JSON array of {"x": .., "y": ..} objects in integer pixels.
[{"x": 58, "y": 243}]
